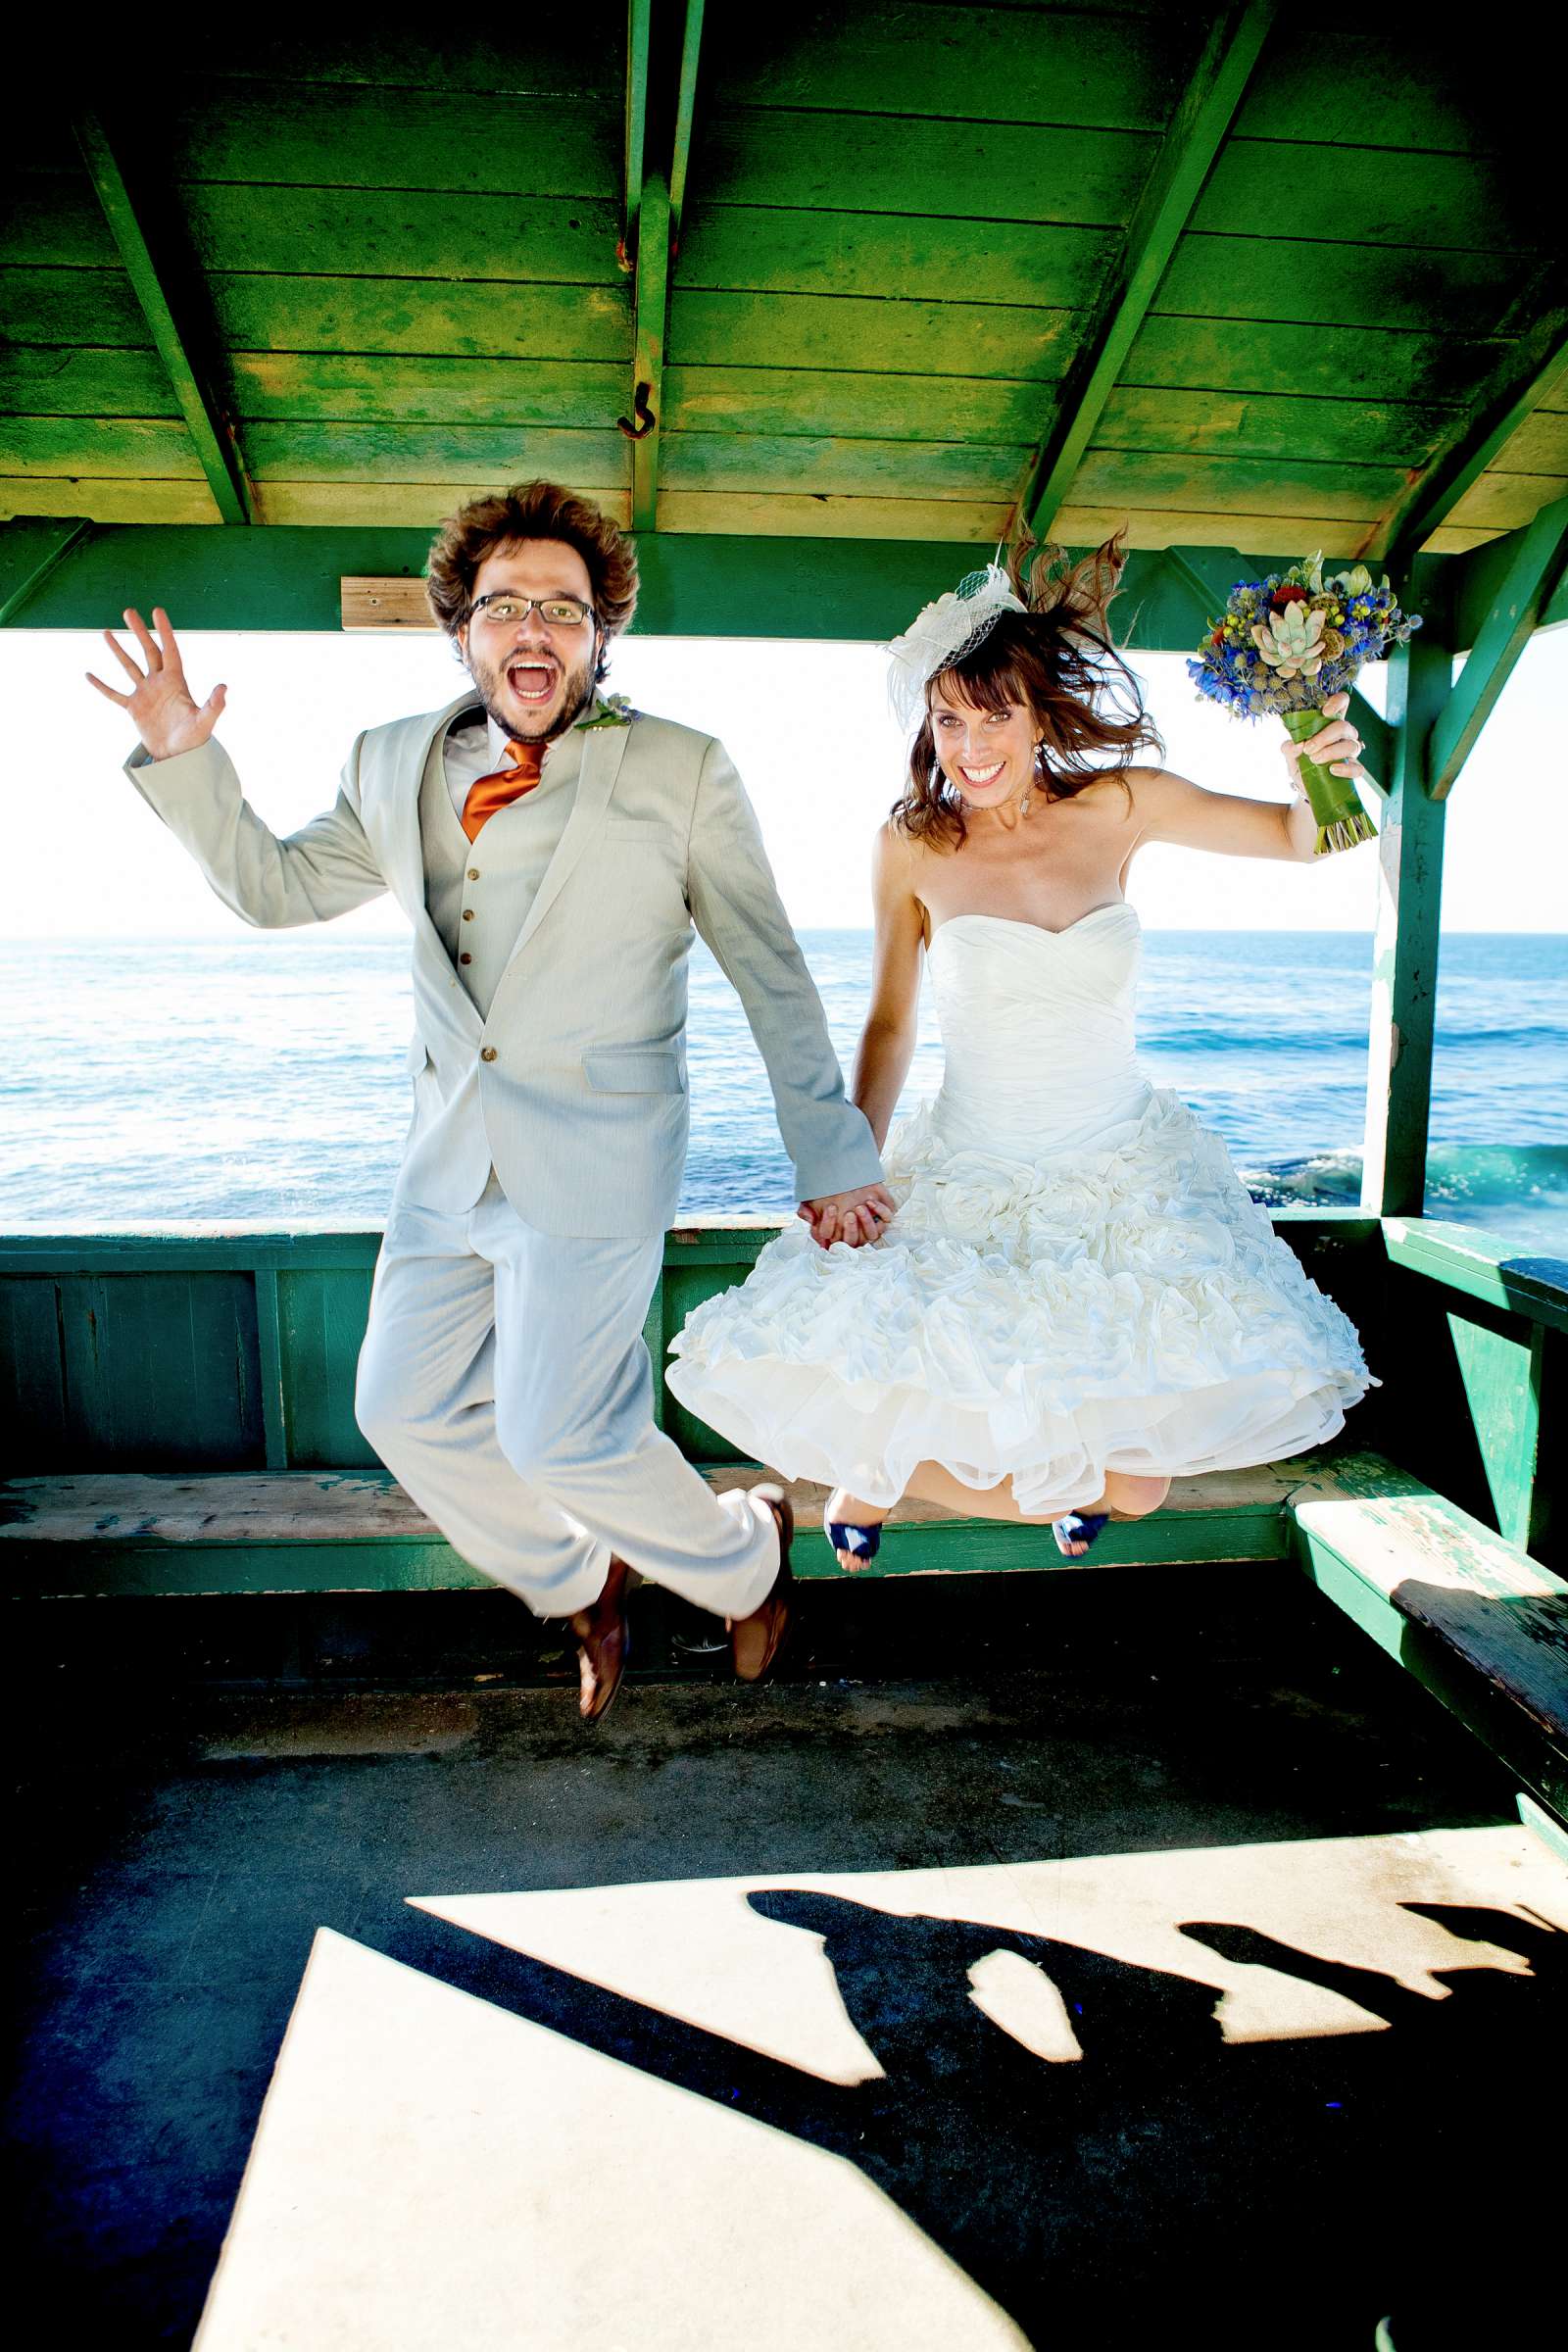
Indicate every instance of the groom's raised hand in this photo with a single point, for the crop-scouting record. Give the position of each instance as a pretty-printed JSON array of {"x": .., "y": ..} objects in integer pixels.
[
  {"x": 850, "y": 1217},
  {"x": 162, "y": 708}
]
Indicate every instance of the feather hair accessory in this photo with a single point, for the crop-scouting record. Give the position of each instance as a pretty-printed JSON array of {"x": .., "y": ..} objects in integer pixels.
[{"x": 943, "y": 633}]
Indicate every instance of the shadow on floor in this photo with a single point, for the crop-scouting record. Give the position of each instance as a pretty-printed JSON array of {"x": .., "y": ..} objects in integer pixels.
[
  {"x": 175, "y": 1853},
  {"x": 1278, "y": 2193}
]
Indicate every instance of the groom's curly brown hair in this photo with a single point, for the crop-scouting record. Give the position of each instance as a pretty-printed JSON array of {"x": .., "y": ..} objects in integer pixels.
[{"x": 532, "y": 510}]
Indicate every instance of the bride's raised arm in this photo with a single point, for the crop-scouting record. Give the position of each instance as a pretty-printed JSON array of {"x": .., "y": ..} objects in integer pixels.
[
  {"x": 1170, "y": 809},
  {"x": 887, "y": 1041}
]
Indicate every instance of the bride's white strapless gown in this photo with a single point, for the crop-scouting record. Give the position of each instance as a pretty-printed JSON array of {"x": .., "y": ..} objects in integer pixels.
[{"x": 1077, "y": 1280}]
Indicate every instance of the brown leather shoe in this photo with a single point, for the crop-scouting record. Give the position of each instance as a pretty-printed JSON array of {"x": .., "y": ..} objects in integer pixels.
[
  {"x": 756, "y": 1640},
  {"x": 603, "y": 1645}
]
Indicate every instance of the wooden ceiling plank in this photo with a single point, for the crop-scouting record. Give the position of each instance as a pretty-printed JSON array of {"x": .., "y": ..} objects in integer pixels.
[
  {"x": 1271, "y": 424},
  {"x": 1239, "y": 356},
  {"x": 810, "y": 161},
  {"x": 846, "y": 403},
  {"x": 313, "y": 387},
  {"x": 728, "y": 248},
  {"x": 51, "y": 379},
  {"x": 52, "y": 306},
  {"x": 100, "y": 499},
  {"x": 1540, "y": 564},
  {"x": 1197, "y": 128},
  {"x": 1319, "y": 282},
  {"x": 396, "y": 234},
  {"x": 152, "y": 281},
  {"x": 361, "y": 318},
  {"x": 300, "y": 134},
  {"x": 739, "y": 462},
  {"x": 972, "y": 63},
  {"x": 1478, "y": 436},
  {"x": 371, "y": 454},
  {"x": 867, "y": 335}
]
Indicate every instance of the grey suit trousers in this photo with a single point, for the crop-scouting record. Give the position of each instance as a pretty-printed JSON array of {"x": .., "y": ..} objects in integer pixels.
[{"x": 505, "y": 1381}]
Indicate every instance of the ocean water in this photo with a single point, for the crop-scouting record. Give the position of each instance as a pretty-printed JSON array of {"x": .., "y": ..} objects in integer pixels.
[{"x": 261, "y": 1080}]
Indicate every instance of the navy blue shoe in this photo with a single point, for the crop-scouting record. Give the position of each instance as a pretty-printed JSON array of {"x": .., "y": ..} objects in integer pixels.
[
  {"x": 861, "y": 1542},
  {"x": 1079, "y": 1527}
]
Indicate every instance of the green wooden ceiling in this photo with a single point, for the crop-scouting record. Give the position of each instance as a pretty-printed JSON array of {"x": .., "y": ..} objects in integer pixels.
[{"x": 888, "y": 268}]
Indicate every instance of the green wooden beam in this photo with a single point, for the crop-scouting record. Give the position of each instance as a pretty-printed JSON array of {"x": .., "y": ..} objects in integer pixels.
[
  {"x": 153, "y": 281},
  {"x": 66, "y": 539},
  {"x": 648, "y": 349},
  {"x": 1405, "y": 981},
  {"x": 685, "y": 116},
  {"x": 705, "y": 584},
  {"x": 1484, "y": 425},
  {"x": 655, "y": 229},
  {"x": 1182, "y": 165},
  {"x": 639, "y": 22},
  {"x": 1208, "y": 574},
  {"x": 1539, "y": 565}
]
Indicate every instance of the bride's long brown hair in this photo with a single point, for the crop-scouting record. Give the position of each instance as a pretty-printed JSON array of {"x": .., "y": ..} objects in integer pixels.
[{"x": 1057, "y": 661}]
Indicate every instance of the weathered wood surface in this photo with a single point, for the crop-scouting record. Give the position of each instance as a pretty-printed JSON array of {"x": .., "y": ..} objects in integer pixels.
[
  {"x": 1497, "y": 1611},
  {"x": 342, "y": 1506},
  {"x": 903, "y": 236},
  {"x": 387, "y": 604}
]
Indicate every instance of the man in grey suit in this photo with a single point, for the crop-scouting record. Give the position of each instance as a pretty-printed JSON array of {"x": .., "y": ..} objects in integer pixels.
[{"x": 553, "y": 852}]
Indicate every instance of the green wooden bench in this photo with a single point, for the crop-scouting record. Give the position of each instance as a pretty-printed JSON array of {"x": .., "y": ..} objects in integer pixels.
[
  {"x": 1482, "y": 1625},
  {"x": 1479, "y": 1622},
  {"x": 355, "y": 1531}
]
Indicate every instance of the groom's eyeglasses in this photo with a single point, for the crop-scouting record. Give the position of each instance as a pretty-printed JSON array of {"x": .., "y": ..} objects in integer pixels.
[{"x": 506, "y": 609}]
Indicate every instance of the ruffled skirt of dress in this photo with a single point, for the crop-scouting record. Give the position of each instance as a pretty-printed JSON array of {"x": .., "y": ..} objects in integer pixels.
[{"x": 1127, "y": 1307}]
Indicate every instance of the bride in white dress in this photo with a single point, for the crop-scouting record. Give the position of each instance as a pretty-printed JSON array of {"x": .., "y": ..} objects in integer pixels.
[{"x": 1077, "y": 1300}]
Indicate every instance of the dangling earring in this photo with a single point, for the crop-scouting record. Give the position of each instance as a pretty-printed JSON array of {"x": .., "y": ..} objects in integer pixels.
[{"x": 1028, "y": 793}]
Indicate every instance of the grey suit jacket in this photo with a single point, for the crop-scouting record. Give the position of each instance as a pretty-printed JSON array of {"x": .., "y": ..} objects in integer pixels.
[{"x": 581, "y": 1062}]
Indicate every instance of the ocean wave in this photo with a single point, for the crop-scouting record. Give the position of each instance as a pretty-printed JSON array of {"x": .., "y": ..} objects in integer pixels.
[{"x": 1465, "y": 1181}]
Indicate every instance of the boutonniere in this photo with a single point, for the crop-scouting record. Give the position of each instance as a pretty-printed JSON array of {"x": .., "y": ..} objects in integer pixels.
[{"x": 613, "y": 711}]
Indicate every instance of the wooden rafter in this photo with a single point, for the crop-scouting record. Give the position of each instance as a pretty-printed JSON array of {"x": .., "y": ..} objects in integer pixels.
[
  {"x": 1188, "y": 148},
  {"x": 652, "y": 214},
  {"x": 1489, "y": 421},
  {"x": 1538, "y": 566},
  {"x": 639, "y": 25},
  {"x": 152, "y": 284}
]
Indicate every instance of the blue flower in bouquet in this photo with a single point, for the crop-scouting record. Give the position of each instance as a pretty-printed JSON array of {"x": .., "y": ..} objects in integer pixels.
[{"x": 1291, "y": 640}]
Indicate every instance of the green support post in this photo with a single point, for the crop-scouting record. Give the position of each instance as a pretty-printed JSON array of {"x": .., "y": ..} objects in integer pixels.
[{"x": 1404, "y": 980}]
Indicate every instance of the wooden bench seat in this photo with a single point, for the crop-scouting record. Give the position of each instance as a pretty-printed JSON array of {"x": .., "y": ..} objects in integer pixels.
[
  {"x": 1482, "y": 1625},
  {"x": 302, "y": 1531}
]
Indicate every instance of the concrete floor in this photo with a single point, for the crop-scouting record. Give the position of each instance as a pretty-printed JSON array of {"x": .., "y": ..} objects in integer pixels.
[{"x": 1067, "y": 1961}]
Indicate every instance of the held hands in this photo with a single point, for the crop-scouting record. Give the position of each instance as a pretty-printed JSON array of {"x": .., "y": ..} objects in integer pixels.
[
  {"x": 162, "y": 706},
  {"x": 850, "y": 1217},
  {"x": 1336, "y": 746}
]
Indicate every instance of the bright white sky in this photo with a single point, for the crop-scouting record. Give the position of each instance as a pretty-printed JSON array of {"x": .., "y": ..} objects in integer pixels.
[{"x": 80, "y": 853}]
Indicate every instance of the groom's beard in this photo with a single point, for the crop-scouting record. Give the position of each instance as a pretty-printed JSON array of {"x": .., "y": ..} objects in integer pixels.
[{"x": 574, "y": 692}]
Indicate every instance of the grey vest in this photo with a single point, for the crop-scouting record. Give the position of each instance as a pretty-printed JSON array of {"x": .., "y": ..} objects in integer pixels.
[{"x": 479, "y": 893}]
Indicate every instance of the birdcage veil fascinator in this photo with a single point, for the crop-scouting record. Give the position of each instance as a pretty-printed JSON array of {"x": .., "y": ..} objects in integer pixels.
[
  {"x": 1076, "y": 596},
  {"x": 943, "y": 633}
]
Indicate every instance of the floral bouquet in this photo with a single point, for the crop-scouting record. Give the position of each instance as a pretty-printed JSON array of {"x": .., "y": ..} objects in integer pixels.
[{"x": 1287, "y": 643}]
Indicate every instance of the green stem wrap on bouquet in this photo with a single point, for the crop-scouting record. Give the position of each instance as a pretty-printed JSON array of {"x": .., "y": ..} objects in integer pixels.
[{"x": 1342, "y": 821}]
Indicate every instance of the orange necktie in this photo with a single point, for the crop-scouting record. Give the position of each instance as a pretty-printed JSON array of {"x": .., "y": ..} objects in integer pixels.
[{"x": 507, "y": 785}]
